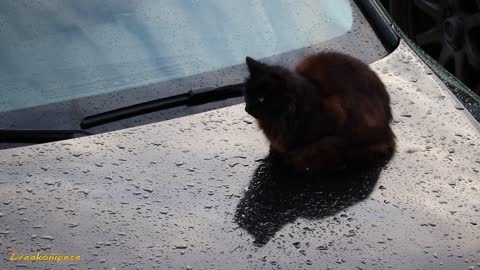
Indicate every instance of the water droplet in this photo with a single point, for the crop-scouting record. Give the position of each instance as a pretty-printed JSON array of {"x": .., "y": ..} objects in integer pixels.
[
  {"x": 181, "y": 246},
  {"x": 322, "y": 248},
  {"x": 85, "y": 192},
  {"x": 150, "y": 190},
  {"x": 47, "y": 237}
]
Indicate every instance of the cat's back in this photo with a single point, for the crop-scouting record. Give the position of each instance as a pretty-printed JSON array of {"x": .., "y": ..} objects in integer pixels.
[
  {"x": 335, "y": 71},
  {"x": 349, "y": 90}
]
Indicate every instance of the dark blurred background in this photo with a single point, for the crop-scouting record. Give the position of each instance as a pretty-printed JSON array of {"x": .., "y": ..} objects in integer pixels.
[{"x": 448, "y": 30}]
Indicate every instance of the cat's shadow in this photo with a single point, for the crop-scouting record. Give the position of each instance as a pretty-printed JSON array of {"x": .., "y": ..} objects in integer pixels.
[{"x": 276, "y": 197}]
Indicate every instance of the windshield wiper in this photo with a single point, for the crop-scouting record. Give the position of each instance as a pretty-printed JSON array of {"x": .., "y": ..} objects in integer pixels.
[
  {"x": 40, "y": 135},
  {"x": 191, "y": 98}
]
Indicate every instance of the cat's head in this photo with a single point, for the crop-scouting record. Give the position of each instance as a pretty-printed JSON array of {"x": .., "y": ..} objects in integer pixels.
[{"x": 267, "y": 96}]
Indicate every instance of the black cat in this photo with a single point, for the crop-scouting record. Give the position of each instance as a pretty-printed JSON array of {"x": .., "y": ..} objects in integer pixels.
[{"x": 332, "y": 111}]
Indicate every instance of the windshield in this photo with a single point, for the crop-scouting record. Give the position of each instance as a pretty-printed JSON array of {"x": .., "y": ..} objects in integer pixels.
[
  {"x": 57, "y": 50},
  {"x": 64, "y": 60}
]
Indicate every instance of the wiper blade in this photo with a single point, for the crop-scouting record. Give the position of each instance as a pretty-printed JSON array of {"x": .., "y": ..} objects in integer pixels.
[
  {"x": 191, "y": 98},
  {"x": 40, "y": 135}
]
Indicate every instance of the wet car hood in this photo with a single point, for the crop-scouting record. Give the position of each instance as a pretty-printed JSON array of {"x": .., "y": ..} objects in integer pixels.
[{"x": 195, "y": 192}]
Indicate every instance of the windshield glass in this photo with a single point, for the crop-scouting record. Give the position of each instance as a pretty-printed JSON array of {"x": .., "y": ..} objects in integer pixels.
[{"x": 58, "y": 50}]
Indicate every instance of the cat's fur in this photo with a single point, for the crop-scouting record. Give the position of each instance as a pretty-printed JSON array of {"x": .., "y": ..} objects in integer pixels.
[{"x": 332, "y": 111}]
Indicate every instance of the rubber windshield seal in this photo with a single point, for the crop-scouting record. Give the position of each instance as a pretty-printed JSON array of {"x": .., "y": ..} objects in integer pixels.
[{"x": 381, "y": 23}]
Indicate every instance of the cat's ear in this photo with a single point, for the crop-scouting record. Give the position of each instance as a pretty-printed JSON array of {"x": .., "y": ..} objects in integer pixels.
[{"x": 254, "y": 66}]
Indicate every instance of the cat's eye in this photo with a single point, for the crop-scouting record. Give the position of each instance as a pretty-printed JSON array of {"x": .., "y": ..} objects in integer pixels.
[{"x": 260, "y": 99}]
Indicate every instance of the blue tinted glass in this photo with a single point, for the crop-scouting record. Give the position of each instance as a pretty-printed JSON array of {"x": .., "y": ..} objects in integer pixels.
[{"x": 53, "y": 51}]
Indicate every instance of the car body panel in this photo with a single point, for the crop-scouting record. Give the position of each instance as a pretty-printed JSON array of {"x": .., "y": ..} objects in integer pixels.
[{"x": 194, "y": 192}]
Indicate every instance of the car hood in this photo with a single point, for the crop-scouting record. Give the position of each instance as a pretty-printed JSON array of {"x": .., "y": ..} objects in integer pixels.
[{"x": 197, "y": 192}]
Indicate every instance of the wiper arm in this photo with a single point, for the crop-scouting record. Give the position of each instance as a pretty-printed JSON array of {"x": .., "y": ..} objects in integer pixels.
[
  {"x": 191, "y": 98},
  {"x": 39, "y": 135}
]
